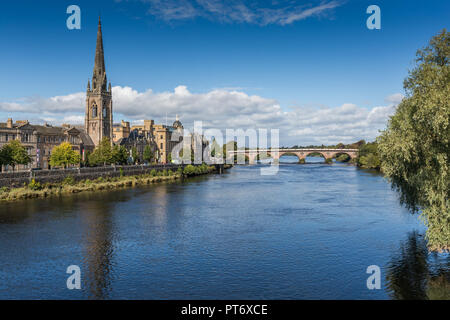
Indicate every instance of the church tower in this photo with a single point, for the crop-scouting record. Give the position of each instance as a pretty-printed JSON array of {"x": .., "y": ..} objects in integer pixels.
[{"x": 99, "y": 114}]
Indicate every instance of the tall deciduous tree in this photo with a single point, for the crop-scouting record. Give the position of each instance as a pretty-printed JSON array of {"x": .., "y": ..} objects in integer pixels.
[
  {"x": 148, "y": 154},
  {"x": 15, "y": 153},
  {"x": 414, "y": 149},
  {"x": 134, "y": 155},
  {"x": 5, "y": 157},
  {"x": 119, "y": 155},
  {"x": 64, "y": 155},
  {"x": 103, "y": 153}
]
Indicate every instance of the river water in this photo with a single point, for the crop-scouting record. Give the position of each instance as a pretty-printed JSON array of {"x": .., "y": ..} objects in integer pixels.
[{"x": 309, "y": 232}]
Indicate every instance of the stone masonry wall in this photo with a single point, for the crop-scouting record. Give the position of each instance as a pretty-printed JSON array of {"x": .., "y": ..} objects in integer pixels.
[{"x": 18, "y": 179}]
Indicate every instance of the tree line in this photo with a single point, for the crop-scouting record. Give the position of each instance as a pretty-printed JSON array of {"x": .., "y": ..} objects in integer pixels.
[
  {"x": 104, "y": 154},
  {"x": 14, "y": 154}
]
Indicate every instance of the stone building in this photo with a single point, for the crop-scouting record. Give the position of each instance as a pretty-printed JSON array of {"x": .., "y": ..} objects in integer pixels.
[
  {"x": 166, "y": 138},
  {"x": 39, "y": 140},
  {"x": 139, "y": 141},
  {"x": 121, "y": 130},
  {"x": 159, "y": 137}
]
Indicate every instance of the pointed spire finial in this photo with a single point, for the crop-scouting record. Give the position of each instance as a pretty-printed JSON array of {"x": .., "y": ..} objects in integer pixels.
[{"x": 99, "y": 73}]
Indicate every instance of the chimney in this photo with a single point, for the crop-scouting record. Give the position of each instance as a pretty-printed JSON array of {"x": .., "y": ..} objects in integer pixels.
[{"x": 9, "y": 123}]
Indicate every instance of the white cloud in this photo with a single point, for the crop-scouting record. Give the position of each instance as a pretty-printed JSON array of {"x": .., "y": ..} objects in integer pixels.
[
  {"x": 218, "y": 108},
  {"x": 241, "y": 11},
  {"x": 395, "y": 98}
]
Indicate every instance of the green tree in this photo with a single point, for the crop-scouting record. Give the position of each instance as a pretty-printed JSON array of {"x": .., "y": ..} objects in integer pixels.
[
  {"x": 14, "y": 153},
  {"x": 102, "y": 154},
  {"x": 64, "y": 155},
  {"x": 414, "y": 148},
  {"x": 134, "y": 155},
  {"x": 5, "y": 157},
  {"x": 119, "y": 155},
  {"x": 148, "y": 154},
  {"x": 368, "y": 156}
]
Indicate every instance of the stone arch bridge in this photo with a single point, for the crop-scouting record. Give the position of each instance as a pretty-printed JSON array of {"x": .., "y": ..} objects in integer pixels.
[{"x": 301, "y": 153}]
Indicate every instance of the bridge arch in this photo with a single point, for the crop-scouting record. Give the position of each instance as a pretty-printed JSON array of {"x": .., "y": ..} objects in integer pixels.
[
  {"x": 343, "y": 156},
  {"x": 292, "y": 154},
  {"x": 315, "y": 154}
]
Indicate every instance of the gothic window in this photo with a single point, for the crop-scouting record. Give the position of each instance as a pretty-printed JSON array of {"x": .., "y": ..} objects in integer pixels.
[
  {"x": 104, "y": 112},
  {"x": 94, "y": 111}
]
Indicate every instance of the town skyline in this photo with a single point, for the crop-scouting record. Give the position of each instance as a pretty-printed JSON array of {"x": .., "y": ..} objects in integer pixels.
[
  {"x": 164, "y": 74},
  {"x": 149, "y": 143}
]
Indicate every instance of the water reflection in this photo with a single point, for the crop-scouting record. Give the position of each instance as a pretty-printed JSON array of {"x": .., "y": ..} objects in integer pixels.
[
  {"x": 99, "y": 248},
  {"x": 415, "y": 274}
]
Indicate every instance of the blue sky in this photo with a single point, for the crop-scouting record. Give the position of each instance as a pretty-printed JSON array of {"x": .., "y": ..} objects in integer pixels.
[{"x": 298, "y": 56}]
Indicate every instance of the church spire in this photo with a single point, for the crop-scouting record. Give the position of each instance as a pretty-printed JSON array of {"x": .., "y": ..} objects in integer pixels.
[
  {"x": 99, "y": 111},
  {"x": 99, "y": 66}
]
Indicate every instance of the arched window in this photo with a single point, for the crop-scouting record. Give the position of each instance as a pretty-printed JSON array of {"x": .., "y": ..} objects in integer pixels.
[
  {"x": 104, "y": 112},
  {"x": 94, "y": 111}
]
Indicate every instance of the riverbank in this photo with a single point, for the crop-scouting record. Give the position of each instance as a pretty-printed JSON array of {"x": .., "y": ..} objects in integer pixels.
[{"x": 70, "y": 185}]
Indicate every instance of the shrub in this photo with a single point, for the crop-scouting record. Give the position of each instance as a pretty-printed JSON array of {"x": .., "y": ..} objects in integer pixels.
[
  {"x": 69, "y": 181},
  {"x": 153, "y": 173},
  {"x": 33, "y": 185},
  {"x": 189, "y": 170}
]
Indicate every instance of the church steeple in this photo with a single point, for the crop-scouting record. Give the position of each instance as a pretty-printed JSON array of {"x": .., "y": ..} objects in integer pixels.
[
  {"x": 99, "y": 75},
  {"x": 99, "y": 66},
  {"x": 99, "y": 112}
]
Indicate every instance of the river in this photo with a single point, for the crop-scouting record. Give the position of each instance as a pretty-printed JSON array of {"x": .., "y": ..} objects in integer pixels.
[{"x": 309, "y": 232}]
